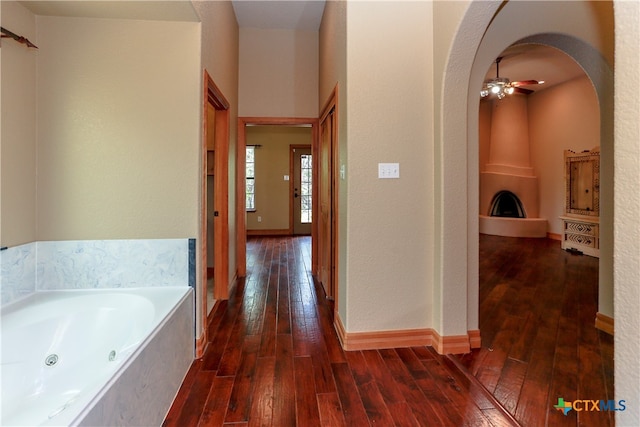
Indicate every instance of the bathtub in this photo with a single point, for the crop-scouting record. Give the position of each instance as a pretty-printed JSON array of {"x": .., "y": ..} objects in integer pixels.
[{"x": 95, "y": 357}]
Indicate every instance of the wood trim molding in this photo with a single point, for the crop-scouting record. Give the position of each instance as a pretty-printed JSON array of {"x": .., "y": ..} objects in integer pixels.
[
  {"x": 241, "y": 212},
  {"x": 554, "y": 236},
  {"x": 283, "y": 232},
  {"x": 604, "y": 323},
  {"x": 474, "y": 338},
  {"x": 452, "y": 344},
  {"x": 201, "y": 344},
  {"x": 213, "y": 96}
]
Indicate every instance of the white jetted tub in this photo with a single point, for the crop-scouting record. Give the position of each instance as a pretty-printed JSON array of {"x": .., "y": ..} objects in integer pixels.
[{"x": 95, "y": 357}]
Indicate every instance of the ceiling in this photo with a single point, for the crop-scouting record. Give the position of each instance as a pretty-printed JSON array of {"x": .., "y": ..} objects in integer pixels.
[
  {"x": 536, "y": 62},
  {"x": 291, "y": 15},
  {"x": 520, "y": 62},
  {"x": 116, "y": 9}
]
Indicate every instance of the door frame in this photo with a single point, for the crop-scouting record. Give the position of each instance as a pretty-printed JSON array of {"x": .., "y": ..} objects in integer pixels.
[
  {"x": 292, "y": 207},
  {"x": 330, "y": 105},
  {"x": 213, "y": 96},
  {"x": 241, "y": 214}
]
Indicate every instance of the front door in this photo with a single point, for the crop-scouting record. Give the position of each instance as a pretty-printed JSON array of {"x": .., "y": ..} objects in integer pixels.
[{"x": 302, "y": 188}]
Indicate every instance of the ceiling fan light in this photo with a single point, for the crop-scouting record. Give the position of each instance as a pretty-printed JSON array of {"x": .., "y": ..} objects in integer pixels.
[
  {"x": 509, "y": 90},
  {"x": 495, "y": 89},
  {"x": 484, "y": 92}
]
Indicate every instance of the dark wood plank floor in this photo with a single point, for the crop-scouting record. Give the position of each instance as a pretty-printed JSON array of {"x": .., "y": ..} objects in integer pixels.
[
  {"x": 538, "y": 305},
  {"x": 274, "y": 359}
]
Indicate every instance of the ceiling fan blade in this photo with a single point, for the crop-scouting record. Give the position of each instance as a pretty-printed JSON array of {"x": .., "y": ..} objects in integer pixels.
[
  {"x": 522, "y": 90},
  {"x": 525, "y": 83}
]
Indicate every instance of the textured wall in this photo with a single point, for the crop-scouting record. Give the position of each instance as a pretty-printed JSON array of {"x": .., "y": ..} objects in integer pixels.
[
  {"x": 118, "y": 128},
  {"x": 272, "y": 163},
  {"x": 333, "y": 75},
  {"x": 627, "y": 206},
  {"x": 219, "y": 56},
  {"x": 278, "y": 73},
  {"x": 18, "y": 139},
  {"x": 390, "y": 119},
  {"x": 564, "y": 117}
]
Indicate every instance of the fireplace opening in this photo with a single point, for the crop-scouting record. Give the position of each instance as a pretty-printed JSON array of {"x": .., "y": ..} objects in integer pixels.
[{"x": 506, "y": 204}]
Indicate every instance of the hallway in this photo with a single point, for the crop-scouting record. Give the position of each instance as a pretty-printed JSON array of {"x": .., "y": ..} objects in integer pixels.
[{"x": 274, "y": 359}]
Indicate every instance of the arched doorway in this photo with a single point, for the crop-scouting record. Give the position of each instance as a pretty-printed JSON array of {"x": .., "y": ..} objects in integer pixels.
[{"x": 496, "y": 26}]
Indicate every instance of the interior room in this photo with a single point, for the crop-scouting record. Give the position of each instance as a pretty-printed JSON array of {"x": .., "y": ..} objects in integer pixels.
[{"x": 124, "y": 131}]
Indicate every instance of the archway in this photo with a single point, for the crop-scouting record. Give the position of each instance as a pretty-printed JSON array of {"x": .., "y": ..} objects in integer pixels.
[{"x": 496, "y": 26}]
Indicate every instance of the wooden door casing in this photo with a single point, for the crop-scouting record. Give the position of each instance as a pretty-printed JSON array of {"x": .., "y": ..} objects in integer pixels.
[
  {"x": 327, "y": 160},
  {"x": 324, "y": 204},
  {"x": 213, "y": 97}
]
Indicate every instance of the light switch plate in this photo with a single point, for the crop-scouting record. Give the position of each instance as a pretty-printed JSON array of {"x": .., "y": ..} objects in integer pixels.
[
  {"x": 286, "y": 177},
  {"x": 388, "y": 170}
]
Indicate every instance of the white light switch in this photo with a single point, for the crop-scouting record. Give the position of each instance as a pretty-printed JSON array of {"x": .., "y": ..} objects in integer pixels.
[
  {"x": 286, "y": 177},
  {"x": 388, "y": 170}
]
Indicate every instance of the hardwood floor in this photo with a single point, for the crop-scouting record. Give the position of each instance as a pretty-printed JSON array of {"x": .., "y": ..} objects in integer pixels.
[
  {"x": 538, "y": 306},
  {"x": 274, "y": 358}
]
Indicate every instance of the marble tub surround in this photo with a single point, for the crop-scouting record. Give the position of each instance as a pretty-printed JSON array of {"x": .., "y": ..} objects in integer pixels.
[
  {"x": 99, "y": 264},
  {"x": 17, "y": 272},
  {"x": 112, "y": 263}
]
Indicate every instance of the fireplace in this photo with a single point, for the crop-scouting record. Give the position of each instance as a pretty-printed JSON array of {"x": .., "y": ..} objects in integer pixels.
[{"x": 509, "y": 204}]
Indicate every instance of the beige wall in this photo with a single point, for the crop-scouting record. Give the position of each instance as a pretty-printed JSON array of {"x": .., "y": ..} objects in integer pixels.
[
  {"x": 390, "y": 119},
  {"x": 563, "y": 117},
  {"x": 278, "y": 73},
  {"x": 450, "y": 197},
  {"x": 219, "y": 56},
  {"x": 118, "y": 128},
  {"x": 18, "y": 134},
  {"x": 333, "y": 76},
  {"x": 272, "y": 164},
  {"x": 626, "y": 261}
]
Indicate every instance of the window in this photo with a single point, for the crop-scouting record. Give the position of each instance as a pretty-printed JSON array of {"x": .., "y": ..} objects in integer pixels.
[
  {"x": 306, "y": 173},
  {"x": 250, "y": 188}
]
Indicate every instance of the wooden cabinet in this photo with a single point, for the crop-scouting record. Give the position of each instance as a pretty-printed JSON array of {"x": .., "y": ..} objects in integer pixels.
[
  {"x": 581, "y": 234},
  {"x": 581, "y": 221}
]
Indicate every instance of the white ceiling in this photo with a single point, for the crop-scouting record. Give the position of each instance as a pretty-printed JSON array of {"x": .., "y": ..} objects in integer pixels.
[
  {"x": 116, "y": 9},
  {"x": 291, "y": 15},
  {"x": 536, "y": 62}
]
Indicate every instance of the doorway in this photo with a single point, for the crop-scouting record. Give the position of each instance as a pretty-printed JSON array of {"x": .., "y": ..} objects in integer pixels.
[
  {"x": 214, "y": 210},
  {"x": 325, "y": 246},
  {"x": 301, "y": 189},
  {"x": 241, "y": 197}
]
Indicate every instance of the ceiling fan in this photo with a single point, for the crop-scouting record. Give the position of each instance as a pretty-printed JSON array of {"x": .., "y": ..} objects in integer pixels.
[{"x": 502, "y": 86}]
